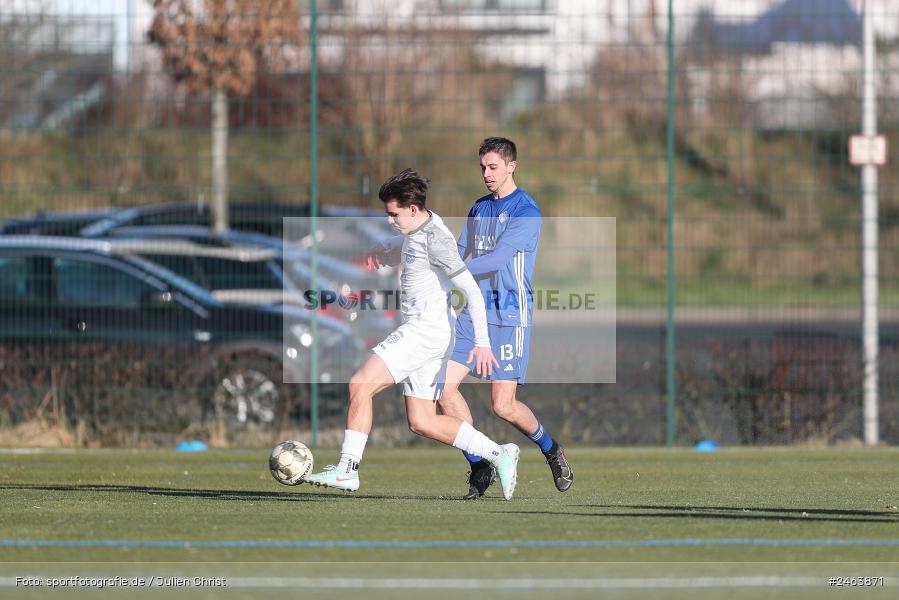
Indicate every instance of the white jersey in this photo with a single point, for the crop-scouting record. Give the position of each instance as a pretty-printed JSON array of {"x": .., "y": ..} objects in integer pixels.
[
  {"x": 417, "y": 352},
  {"x": 430, "y": 260}
]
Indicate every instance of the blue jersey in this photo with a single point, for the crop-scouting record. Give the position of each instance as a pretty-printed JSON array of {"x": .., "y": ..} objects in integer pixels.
[{"x": 512, "y": 221}]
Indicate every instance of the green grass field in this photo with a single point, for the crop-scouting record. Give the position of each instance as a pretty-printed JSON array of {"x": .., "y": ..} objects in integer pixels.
[{"x": 637, "y": 523}]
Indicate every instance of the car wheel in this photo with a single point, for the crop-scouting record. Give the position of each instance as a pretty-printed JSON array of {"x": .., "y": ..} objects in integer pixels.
[
  {"x": 248, "y": 391},
  {"x": 246, "y": 394}
]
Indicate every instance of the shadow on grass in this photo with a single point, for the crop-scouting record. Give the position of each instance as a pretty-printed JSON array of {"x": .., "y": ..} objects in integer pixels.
[
  {"x": 302, "y": 493},
  {"x": 737, "y": 513}
]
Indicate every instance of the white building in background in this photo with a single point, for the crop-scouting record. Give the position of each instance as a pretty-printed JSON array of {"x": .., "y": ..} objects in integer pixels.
[
  {"x": 790, "y": 71},
  {"x": 552, "y": 43},
  {"x": 557, "y": 32},
  {"x": 792, "y": 86},
  {"x": 797, "y": 68}
]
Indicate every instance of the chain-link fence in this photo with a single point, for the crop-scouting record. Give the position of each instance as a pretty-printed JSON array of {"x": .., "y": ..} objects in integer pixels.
[{"x": 167, "y": 107}]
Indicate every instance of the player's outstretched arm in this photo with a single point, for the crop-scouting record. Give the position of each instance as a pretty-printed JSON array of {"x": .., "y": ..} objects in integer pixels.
[
  {"x": 483, "y": 356},
  {"x": 492, "y": 261},
  {"x": 520, "y": 235},
  {"x": 387, "y": 253}
]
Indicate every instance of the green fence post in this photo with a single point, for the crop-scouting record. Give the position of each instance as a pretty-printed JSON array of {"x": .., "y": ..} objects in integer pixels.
[
  {"x": 313, "y": 211},
  {"x": 670, "y": 418}
]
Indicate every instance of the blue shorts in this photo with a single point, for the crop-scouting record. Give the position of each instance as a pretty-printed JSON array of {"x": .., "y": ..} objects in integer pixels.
[{"x": 509, "y": 345}]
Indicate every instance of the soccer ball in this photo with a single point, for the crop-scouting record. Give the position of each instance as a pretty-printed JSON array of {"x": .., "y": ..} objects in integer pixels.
[{"x": 289, "y": 462}]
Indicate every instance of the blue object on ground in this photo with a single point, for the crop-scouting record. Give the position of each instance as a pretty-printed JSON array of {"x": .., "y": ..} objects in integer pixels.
[
  {"x": 191, "y": 446},
  {"x": 706, "y": 446}
]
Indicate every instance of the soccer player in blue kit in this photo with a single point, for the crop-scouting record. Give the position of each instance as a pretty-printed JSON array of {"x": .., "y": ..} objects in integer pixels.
[{"x": 501, "y": 235}]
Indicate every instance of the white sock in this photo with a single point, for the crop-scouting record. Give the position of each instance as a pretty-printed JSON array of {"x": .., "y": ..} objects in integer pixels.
[
  {"x": 474, "y": 442},
  {"x": 351, "y": 450}
]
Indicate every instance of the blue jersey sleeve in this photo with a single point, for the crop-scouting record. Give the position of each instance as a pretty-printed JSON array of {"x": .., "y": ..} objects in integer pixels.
[
  {"x": 523, "y": 230},
  {"x": 492, "y": 261}
]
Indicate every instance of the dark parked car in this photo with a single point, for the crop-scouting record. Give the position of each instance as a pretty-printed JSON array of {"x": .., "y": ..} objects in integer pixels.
[
  {"x": 232, "y": 273},
  {"x": 295, "y": 260},
  {"x": 241, "y": 267},
  {"x": 263, "y": 218},
  {"x": 348, "y": 232},
  {"x": 106, "y": 332},
  {"x": 342, "y": 231}
]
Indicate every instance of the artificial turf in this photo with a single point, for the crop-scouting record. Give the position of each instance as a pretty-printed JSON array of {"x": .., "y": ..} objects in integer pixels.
[{"x": 786, "y": 508}]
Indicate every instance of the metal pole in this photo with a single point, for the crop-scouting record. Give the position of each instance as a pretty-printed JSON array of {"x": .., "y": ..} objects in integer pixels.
[
  {"x": 219, "y": 158},
  {"x": 129, "y": 9},
  {"x": 313, "y": 212},
  {"x": 670, "y": 417},
  {"x": 870, "y": 334}
]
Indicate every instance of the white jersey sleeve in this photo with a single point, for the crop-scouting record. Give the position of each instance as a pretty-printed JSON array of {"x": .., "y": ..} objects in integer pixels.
[
  {"x": 476, "y": 308},
  {"x": 443, "y": 253}
]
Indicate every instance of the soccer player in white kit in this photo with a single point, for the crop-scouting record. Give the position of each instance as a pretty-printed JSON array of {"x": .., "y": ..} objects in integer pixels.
[{"x": 416, "y": 353}]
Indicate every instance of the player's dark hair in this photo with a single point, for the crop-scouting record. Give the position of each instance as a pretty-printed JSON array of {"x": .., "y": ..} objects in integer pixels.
[
  {"x": 406, "y": 187},
  {"x": 502, "y": 146}
]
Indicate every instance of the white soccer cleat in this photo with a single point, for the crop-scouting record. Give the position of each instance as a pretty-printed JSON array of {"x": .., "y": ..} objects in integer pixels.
[
  {"x": 506, "y": 469},
  {"x": 333, "y": 477}
]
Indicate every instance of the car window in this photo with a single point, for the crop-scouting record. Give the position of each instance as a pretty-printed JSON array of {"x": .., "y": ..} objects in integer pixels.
[
  {"x": 186, "y": 266},
  {"x": 14, "y": 278},
  {"x": 179, "y": 216},
  {"x": 224, "y": 274},
  {"x": 88, "y": 283}
]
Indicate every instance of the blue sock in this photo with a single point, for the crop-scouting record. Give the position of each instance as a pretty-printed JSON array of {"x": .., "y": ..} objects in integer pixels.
[
  {"x": 471, "y": 457},
  {"x": 542, "y": 438}
]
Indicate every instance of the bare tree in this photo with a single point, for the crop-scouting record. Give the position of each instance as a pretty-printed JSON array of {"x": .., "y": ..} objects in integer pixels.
[
  {"x": 391, "y": 81},
  {"x": 217, "y": 47}
]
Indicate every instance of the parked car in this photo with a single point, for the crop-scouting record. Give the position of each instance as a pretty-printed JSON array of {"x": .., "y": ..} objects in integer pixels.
[
  {"x": 296, "y": 260},
  {"x": 252, "y": 224},
  {"x": 237, "y": 266},
  {"x": 266, "y": 218},
  {"x": 91, "y": 323},
  {"x": 232, "y": 273},
  {"x": 350, "y": 231}
]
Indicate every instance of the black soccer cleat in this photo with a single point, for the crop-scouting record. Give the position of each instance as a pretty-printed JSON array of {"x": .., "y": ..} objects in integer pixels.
[
  {"x": 558, "y": 464},
  {"x": 479, "y": 479}
]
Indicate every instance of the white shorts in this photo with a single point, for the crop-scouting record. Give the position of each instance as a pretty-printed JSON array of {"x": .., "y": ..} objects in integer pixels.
[{"x": 416, "y": 355}]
